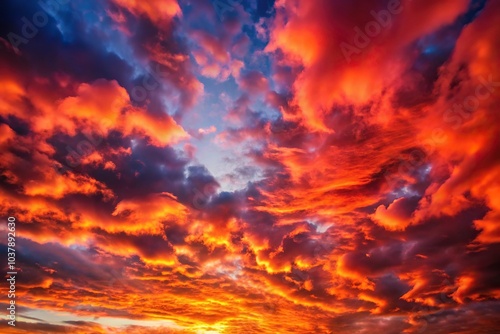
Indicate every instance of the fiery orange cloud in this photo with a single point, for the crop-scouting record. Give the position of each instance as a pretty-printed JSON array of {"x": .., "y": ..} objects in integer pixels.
[
  {"x": 157, "y": 11},
  {"x": 311, "y": 34}
]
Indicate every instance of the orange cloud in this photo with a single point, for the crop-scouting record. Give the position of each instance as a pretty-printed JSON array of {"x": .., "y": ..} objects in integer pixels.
[
  {"x": 112, "y": 103},
  {"x": 148, "y": 215},
  {"x": 310, "y": 34},
  {"x": 158, "y": 11},
  {"x": 397, "y": 215}
]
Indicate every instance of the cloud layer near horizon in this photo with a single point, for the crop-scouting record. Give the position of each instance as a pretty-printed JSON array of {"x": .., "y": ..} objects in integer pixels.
[{"x": 271, "y": 167}]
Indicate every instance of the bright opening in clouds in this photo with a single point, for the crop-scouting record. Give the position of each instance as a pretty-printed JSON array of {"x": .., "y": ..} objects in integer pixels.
[{"x": 250, "y": 166}]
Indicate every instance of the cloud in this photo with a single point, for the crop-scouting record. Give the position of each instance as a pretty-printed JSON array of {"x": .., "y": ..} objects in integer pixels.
[
  {"x": 207, "y": 131},
  {"x": 364, "y": 188},
  {"x": 160, "y": 12},
  {"x": 310, "y": 35},
  {"x": 253, "y": 82},
  {"x": 397, "y": 216}
]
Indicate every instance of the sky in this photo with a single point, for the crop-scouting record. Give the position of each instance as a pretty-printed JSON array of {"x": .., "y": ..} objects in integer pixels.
[{"x": 237, "y": 166}]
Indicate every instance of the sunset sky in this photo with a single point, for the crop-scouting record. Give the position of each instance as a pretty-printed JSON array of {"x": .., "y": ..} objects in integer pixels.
[{"x": 251, "y": 166}]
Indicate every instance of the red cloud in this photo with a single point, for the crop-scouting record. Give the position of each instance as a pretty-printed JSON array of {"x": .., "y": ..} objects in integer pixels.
[
  {"x": 310, "y": 34},
  {"x": 158, "y": 11}
]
